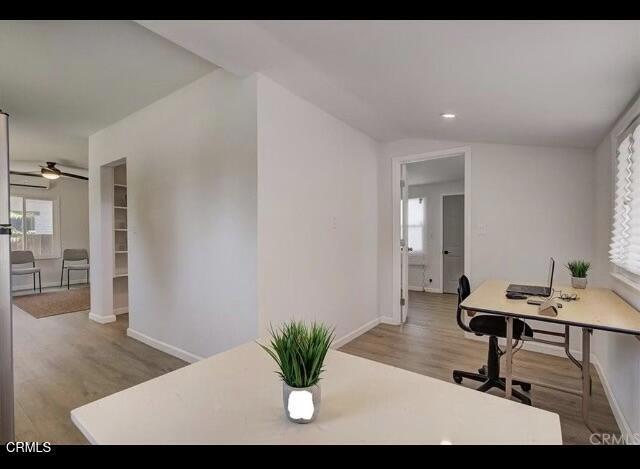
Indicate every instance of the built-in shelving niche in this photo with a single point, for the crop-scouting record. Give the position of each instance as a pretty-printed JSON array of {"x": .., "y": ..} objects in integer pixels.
[{"x": 120, "y": 240}]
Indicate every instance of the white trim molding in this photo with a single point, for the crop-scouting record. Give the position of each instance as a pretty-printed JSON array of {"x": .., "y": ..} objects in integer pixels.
[
  {"x": 621, "y": 420},
  {"x": 388, "y": 320},
  {"x": 396, "y": 165},
  {"x": 102, "y": 319},
  {"x": 163, "y": 346},
  {"x": 353, "y": 334}
]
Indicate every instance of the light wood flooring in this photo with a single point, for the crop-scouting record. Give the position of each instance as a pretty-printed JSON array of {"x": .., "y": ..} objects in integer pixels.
[
  {"x": 65, "y": 361},
  {"x": 432, "y": 344}
]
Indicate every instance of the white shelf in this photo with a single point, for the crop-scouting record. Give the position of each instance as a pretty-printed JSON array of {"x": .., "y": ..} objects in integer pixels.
[
  {"x": 117, "y": 207},
  {"x": 119, "y": 229},
  {"x": 120, "y": 185},
  {"x": 120, "y": 275},
  {"x": 121, "y": 252}
]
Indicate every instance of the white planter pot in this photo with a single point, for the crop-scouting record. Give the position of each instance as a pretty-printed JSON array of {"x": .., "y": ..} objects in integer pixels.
[
  {"x": 301, "y": 405},
  {"x": 579, "y": 282}
]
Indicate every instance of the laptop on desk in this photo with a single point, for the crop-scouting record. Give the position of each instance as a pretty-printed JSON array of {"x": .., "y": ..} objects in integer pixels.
[{"x": 535, "y": 290}]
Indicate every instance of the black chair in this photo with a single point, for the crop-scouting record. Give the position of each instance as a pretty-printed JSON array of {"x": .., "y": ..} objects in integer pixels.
[{"x": 494, "y": 327}]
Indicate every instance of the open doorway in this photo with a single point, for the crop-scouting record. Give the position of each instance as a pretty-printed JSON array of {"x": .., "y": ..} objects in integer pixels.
[
  {"x": 432, "y": 236},
  {"x": 56, "y": 352}
]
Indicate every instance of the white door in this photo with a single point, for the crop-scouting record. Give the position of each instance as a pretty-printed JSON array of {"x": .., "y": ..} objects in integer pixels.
[
  {"x": 452, "y": 241},
  {"x": 404, "y": 227},
  {"x": 6, "y": 333}
]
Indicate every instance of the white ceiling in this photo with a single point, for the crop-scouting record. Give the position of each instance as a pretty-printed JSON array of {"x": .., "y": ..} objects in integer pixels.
[
  {"x": 559, "y": 83},
  {"x": 61, "y": 81},
  {"x": 435, "y": 171}
]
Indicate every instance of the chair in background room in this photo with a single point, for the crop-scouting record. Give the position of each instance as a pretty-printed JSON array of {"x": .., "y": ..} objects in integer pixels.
[
  {"x": 74, "y": 255},
  {"x": 494, "y": 327},
  {"x": 26, "y": 257}
]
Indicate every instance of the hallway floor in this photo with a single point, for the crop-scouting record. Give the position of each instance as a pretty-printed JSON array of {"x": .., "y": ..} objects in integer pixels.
[{"x": 65, "y": 361}]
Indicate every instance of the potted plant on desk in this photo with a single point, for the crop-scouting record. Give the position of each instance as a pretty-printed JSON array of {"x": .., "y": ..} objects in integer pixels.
[
  {"x": 578, "y": 271},
  {"x": 299, "y": 351}
]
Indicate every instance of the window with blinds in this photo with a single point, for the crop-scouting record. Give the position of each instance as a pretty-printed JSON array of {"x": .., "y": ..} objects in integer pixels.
[{"x": 625, "y": 237}]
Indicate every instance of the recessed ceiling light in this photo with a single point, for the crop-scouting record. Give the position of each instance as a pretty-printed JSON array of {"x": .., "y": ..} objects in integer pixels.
[{"x": 448, "y": 115}]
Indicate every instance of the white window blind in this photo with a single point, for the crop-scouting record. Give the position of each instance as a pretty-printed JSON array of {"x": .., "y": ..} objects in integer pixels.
[
  {"x": 415, "y": 222},
  {"x": 625, "y": 237}
]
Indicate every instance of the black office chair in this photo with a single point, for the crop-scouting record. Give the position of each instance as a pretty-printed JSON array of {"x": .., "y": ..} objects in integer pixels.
[{"x": 494, "y": 327}]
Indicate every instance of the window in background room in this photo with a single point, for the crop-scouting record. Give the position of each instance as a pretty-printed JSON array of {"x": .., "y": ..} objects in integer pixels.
[
  {"x": 415, "y": 222},
  {"x": 625, "y": 237},
  {"x": 15, "y": 213},
  {"x": 34, "y": 226}
]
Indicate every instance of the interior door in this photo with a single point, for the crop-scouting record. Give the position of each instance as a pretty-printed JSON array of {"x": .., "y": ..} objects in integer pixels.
[
  {"x": 452, "y": 241},
  {"x": 6, "y": 331},
  {"x": 404, "y": 226}
]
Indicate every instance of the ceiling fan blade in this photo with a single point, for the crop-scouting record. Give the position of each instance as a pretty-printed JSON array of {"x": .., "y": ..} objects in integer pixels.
[
  {"x": 76, "y": 176},
  {"x": 25, "y": 173}
]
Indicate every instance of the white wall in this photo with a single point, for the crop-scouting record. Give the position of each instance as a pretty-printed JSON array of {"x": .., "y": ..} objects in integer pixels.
[
  {"x": 317, "y": 215},
  {"x": 73, "y": 200},
  {"x": 617, "y": 354},
  {"x": 527, "y": 203},
  {"x": 192, "y": 168},
  {"x": 429, "y": 265}
]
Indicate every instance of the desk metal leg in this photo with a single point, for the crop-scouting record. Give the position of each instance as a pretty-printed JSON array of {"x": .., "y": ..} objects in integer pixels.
[
  {"x": 586, "y": 376},
  {"x": 509, "y": 354}
]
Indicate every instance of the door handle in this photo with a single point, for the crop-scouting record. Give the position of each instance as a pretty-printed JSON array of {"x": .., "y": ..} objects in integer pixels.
[
  {"x": 5, "y": 228},
  {"x": 445, "y": 252}
]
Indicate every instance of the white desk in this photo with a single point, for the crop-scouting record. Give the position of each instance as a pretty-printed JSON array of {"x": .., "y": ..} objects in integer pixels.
[
  {"x": 597, "y": 308},
  {"x": 235, "y": 397}
]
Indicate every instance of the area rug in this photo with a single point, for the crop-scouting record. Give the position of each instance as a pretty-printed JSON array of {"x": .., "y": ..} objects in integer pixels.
[{"x": 50, "y": 304}]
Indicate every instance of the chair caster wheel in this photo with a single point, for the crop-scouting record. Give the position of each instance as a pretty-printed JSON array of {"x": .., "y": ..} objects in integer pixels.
[
  {"x": 526, "y": 387},
  {"x": 483, "y": 370},
  {"x": 457, "y": 379}
]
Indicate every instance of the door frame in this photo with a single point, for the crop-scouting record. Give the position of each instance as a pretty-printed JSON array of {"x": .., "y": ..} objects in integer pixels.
[
  {"x": 442, "y": 196},
  {"x": 396, "y": 164},
  {"x": 7, "y": 404}
]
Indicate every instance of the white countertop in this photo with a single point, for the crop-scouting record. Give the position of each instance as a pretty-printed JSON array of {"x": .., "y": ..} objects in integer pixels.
[{"x": 235, "y": 397}]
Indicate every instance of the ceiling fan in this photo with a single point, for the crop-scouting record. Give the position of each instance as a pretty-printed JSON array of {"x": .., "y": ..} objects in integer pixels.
[{"x": 51, "y": 172}]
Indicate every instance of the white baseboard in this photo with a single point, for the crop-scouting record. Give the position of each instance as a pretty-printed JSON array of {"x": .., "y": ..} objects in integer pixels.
[
  {"x": 388, "y": 320},
  {"x": 352, "y": 335},
  {"x": 102, "y": 319},
  {"x": 164, "y": 347},
  {"x": 426, "y": 289},
  {"x": 621, "y": 420},
  {"x": 47, "y": 285},
  {"x": 123, "y": 310}
]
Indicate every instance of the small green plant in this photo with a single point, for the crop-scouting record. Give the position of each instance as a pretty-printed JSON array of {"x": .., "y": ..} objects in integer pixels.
[
  {"x": 578, "y": 269},
  {"x": 300, "y": 350}
]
